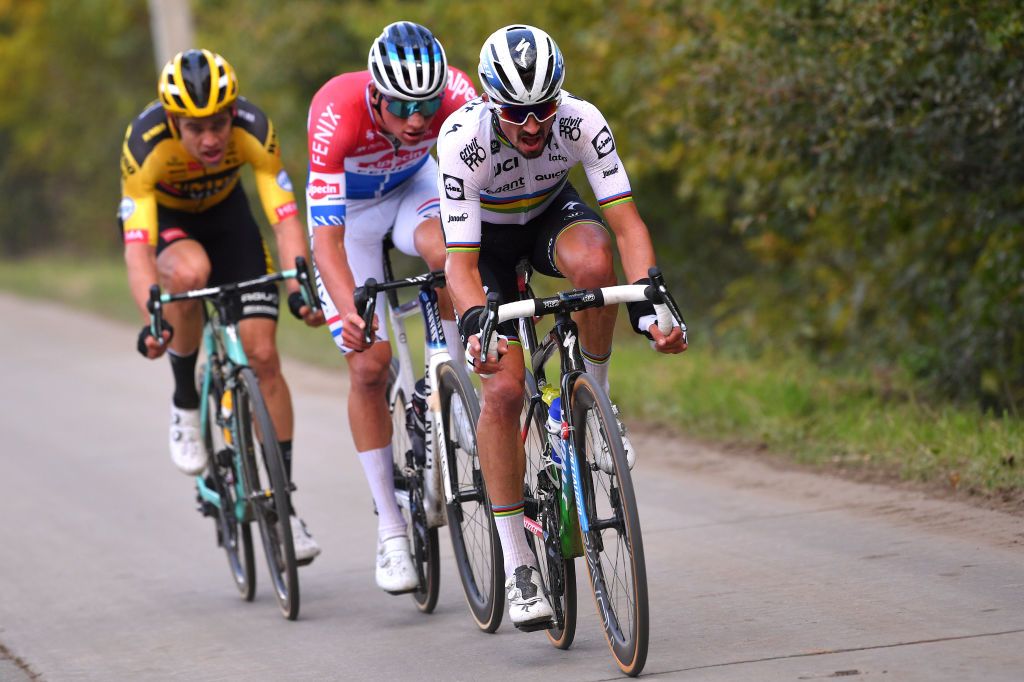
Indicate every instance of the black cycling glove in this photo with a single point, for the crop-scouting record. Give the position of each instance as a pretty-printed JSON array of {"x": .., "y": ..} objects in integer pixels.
[
  {"x": 295, "y": 303},
  {"x": 146, "y": 333},
  {"x": 641, "y": 309},
  {"x": 470, "y": 323}
]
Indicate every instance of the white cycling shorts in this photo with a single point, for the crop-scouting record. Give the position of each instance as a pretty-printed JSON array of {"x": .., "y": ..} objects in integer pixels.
[{"x": 367, "y": 222}]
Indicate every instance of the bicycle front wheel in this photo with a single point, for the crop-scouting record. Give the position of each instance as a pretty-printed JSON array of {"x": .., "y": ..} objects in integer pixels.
[
  {"x": 470, "y": 523},
  {"x": 233, "y": 534},
  {"x": 541, "y": 491},
  {"x": 268, "y": 489},
  {"x": 612, "y": 542},
  {"x": 408, "y": 475}
]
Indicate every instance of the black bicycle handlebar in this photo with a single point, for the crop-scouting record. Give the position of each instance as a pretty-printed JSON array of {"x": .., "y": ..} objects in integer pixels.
[
  {"x": 157, "y": 300},
  {"x": 365, "y": 297}
]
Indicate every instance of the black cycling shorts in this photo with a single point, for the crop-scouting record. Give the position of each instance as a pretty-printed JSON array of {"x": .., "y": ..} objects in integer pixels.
[
  {"x": 229, "y": 234},
  {"x": 503, "y": 246}
]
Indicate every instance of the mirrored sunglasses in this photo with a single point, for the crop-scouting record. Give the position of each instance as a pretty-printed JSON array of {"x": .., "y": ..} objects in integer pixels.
[
  {"x": 517, "y": 114},
  {"x": 403, "y": 108}
]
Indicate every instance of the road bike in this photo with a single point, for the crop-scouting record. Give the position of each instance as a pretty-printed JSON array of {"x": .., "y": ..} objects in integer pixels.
[
  {"x": 437, "y": 472},
  {"x": 578, "y": 491},
  {"x": 245, "y": 480}
]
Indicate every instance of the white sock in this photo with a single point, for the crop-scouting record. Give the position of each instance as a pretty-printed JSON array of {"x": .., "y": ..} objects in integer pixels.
[
  {"x": 597, "y": 368},
  {"x": 509, "y": 520},
  {"x": 380, "y": 475},
  {"x": 452, "y": 339}
]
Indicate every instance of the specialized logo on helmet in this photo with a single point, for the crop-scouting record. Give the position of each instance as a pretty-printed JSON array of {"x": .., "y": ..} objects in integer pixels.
[{"x": 526, "y": 55}]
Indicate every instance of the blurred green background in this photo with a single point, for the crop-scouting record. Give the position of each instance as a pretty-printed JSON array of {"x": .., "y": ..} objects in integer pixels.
[{"x": 838, "y": 184}]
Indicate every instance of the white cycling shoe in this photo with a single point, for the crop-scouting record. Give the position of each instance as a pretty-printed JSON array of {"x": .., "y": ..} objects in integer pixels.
[
  {"x": 187, "y": 450},
  {"x": 306, "y": 548},
  {"x": 603, "y": 455},
  {"x": 527, "y": 605},
  {"x": 395, "y": 572}
]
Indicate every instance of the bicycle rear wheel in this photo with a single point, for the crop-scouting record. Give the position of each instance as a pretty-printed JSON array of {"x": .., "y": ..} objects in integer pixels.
[
  {"x": 470, "y": 523},
  {"x": 541, "y": 494},
  {"x": 268, "y": 489},
  {"x": 613, "y": 545},
  {"x": 409, "y": 494},
  {"x": 233, "y": 534}
]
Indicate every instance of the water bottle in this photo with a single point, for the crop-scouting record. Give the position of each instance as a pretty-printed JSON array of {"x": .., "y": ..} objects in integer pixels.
[
  {"x": 416, "y": 422},
  {"x": 554, "y": 428}
]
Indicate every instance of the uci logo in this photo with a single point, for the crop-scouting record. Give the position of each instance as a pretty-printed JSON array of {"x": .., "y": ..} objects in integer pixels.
[{"x": 505, "y": 166}]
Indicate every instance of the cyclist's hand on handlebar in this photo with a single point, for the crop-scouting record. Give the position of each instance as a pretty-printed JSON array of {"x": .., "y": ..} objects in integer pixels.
[
  {"x": 353, "y": 332},
  {"x": 149, "y": 347},
  {"x": 303, "y": 312},
  {"x": 490, "y": 364},
  {"x": 673, "y": 342}
]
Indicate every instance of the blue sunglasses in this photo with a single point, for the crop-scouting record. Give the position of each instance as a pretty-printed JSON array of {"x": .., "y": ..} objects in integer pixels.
[{"x": 403, "y": 108}]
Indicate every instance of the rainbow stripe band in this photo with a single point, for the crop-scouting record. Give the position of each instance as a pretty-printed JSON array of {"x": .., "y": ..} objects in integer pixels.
[
  {"x": 596, "y": 359},
  {"x": 463, "y": 247},
  {"x": 615, "y": 199},
  {"x": 502, "y": 511}
]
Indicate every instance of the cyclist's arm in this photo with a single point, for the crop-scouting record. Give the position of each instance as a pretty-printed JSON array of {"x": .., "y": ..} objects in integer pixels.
[
  {"x": 633, "y": 239},
  {"x": 138, "y": 215}
]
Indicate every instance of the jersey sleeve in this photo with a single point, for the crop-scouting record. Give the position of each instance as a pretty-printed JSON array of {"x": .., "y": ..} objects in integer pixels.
[
  {"x": 258, "y": 138},
  {"x": 459, "y": 157},
  {"x": 137, "y": 210},
  {"x": 600, "y": 160},
  {"x": 329, "y": 141}
]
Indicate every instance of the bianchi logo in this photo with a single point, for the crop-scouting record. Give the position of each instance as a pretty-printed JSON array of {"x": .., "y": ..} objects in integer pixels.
[
  {"x": 284, "y": 182},
  {"x": 125, "y": 210},
  {"x": 454, "y": 187}
]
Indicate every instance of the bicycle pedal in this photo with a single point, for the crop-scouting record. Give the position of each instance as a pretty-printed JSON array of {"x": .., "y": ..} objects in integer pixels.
[
  {"x": 533, "y": 627},
  {"x": 304, "y": 562},
  {"x": 409, "y": 591}
]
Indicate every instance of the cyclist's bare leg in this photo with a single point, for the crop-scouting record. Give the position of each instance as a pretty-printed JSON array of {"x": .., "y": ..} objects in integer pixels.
[
  {"x": 367, "y": 399},
  {"x": 182, "y": 266},
  {"x": 502, "y": 457},
  {"x": 583, "y": 253},
  {"x": 258, "y": 340}
]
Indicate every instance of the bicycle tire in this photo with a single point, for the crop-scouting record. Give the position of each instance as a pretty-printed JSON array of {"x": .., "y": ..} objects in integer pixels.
[
  {"x": 613, "y": 545},
  {"x": 423, "y": 541},
  {"x": 474, "y": 536},
  {"x": 233, "y": 534},
  {"x": 558, "y": 573},
  {"x": 269, "y": 490}
]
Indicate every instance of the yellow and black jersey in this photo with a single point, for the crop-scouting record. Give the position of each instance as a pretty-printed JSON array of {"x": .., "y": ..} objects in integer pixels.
[{"x": 156, "y": 170}]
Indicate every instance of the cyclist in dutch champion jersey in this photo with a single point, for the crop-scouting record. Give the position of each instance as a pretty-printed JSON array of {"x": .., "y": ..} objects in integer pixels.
[
  {"x": 504, "y": 161},
  {"x": 187, "y": 224},
  {"x": 370, "y": 172}
]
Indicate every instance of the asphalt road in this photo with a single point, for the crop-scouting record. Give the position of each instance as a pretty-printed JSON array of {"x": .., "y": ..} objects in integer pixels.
[{"x": 108, "y": 573}]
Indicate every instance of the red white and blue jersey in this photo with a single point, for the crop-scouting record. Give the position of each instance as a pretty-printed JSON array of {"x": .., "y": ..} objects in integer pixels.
[{"x": 350, "y": 158}]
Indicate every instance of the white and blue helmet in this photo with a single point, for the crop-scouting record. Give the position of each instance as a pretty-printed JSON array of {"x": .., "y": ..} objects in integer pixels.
[
  {"x": 521, "y": 64},
  {"x": 407, "y": 62}
]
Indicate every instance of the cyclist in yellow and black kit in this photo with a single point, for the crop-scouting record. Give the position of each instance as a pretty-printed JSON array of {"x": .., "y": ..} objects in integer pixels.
[{"x": 187, "y": 224}]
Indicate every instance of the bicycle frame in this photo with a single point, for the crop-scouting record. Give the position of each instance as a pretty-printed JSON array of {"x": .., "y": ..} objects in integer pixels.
[{"x": 436, "y": 353}]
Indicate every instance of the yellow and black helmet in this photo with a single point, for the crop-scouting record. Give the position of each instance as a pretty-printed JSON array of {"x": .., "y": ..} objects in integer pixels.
[{"x": 197, "y": 83}]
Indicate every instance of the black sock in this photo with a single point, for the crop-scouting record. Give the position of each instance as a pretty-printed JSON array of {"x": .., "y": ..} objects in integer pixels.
[
  {"x": 186, "y": 396},
  {"x": 286, "y": 455}
]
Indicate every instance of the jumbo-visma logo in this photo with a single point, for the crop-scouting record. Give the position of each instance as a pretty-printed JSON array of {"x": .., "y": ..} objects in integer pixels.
[{"x": 321, "y": 189}]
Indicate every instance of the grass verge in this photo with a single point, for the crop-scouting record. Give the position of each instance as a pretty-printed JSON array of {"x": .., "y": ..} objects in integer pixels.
[{"x": 823, "y": 418}]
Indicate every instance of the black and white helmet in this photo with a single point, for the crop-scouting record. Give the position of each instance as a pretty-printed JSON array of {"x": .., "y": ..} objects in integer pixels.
[
  {"x": 407, "y": 62},
  {"x": 521, "y": 65}
]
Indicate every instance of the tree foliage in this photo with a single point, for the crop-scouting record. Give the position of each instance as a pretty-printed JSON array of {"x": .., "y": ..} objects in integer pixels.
[{"x": 840, "y": 177}]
